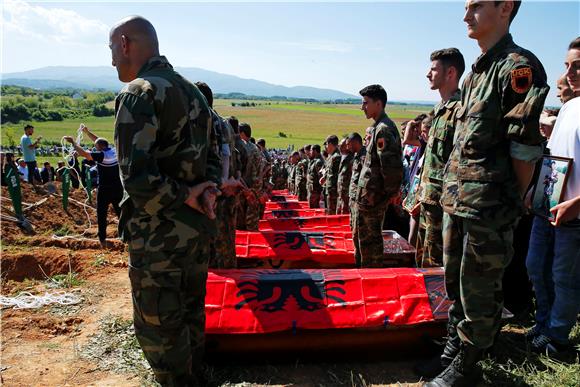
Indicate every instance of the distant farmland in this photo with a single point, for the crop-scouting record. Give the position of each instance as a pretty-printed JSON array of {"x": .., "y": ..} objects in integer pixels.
[{"x": 301, "y": 123}]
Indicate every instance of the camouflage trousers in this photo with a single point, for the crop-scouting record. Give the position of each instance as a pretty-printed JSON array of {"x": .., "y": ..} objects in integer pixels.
[
  {"x": 342, "y": 205},
  {"x": 367, "y": 235},
  {"x": 253, "y": 212},
  {"x": 302, "y": 193},
  {"x": 223, "y": 247},
  {"x": 430, "y": 237},
  {"x": 168, "y": 290},
  {"x": 314, "y": 199},
  {"x": 475, "y": 255},
  {"x": 331, "y": 201}
]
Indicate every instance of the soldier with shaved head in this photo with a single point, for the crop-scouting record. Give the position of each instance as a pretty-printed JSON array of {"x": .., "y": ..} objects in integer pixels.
[{"x": 170, "y": 172}]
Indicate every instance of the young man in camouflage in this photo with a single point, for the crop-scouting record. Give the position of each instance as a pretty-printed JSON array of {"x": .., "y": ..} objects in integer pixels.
[
  {"x": 354, "y": 143},
  {"x": 302, "y": 173},
  {"x": 447, "y": 66},
  {"x": 379, "y": 180},
  {"x": 252, "y": 177},
  {"x": 223, "y": 247},
  {"x": 330, "y": 179},
  {"x": 497, "y": 141},
  {"x": 344, "y": 174},
  {"x": 170, "y": 170},
  {"x": 313, "y": 177},
  {"x": 292, "y": 161}
]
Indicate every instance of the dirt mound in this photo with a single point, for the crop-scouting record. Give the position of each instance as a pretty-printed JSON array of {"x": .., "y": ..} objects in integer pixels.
[
  {"x": 46, "y": 214},
  {"x": 42, "y": 325},
  {"x": 42, "y": 262}
]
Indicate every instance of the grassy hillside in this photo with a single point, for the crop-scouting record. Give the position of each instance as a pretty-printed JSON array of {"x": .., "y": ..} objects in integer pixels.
[{"x": 302, "y": 123}]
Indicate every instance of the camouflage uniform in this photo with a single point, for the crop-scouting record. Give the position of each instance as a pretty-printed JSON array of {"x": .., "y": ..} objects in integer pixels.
[
  {"x": 331, "y": 184},
  {"x": 437, "y": 150},
  {"x": 223, "y": 254},
  {"x": 164, "y": 144},
  {"x": 379, "y": 181},
  {"x": 291, "y": 177},
  {"x": 252, "y": 175},
  {"x": 357, "y": 163},
  {"x": 300, "y": 179},
  {"x": 502, "y": 99},
  {"x": 241, "y": 157},
  {"x": 313, "y": 182},
  {"x": 344, "y": 174}
]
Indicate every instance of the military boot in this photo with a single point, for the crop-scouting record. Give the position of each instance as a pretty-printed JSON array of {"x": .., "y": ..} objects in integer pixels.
[
  {"x": 437, "y": 364},
  {"x": 463, "y": 370}
]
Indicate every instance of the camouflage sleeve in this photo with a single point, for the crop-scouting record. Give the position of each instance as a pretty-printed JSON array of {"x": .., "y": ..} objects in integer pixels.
[
  {"x": 332, "y": 176},
  {"x": 389, "y": 152},
  {"x": 136, "y": 128},
  {"x": 524, "y": 91}
]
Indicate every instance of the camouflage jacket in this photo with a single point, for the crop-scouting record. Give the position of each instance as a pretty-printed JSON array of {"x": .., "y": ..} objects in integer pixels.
[
  {"x": 344, "y": 175},
  {"x": 291, "y": 176},
  {"x": 438, "y": 149},
  {"x": 301, "y": 174},
  {"x": 313, "y": 177},
  {"x": 163, "y": 134},
  {"x": 332, "y": 166},
  {"x": 357, "y": 163},
  {"x": 252, "y": 170},
  {"x": 240, "y": 153},
  {"x": 382, "y": 171},
  {"x": 502, "y": 99}
]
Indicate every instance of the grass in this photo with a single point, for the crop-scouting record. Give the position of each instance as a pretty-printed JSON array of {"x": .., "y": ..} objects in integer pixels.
[
  {"x": 302, "y": 123},
  {"x": 68, "y": 280}
]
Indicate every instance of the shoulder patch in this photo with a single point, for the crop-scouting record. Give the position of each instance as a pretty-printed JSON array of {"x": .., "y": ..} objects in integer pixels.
[
  {"x": 521, "y": 79},
  {"x": 381, "y": 143}
]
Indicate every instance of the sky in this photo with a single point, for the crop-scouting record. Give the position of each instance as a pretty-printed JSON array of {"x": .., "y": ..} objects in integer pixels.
[{"x": 336, "y": 45}]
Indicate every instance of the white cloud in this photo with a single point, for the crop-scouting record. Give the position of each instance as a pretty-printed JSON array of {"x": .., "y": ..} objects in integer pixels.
[
  {"x": 51, "y": 24},
  {"x": 321, "y": 45}
]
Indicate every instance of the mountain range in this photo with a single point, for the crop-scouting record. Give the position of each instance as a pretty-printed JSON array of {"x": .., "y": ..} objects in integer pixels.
[{"x": 102, "y": 77}]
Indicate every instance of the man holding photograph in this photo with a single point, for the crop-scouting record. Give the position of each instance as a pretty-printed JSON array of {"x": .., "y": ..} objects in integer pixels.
[{"x": 554, "y": 254}]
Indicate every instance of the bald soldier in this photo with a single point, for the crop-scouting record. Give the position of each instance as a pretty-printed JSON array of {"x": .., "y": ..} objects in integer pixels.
[
  {"x": 313, "y": 178},
  {"x": 170, "y": 171},
  {"x": 302, "y": 173}
]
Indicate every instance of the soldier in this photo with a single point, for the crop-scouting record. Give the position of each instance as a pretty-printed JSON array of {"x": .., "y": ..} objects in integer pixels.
[
  {"x": 292, "y": 161},
  {"x": 379, "y": 179},
  {"x": 330, "y": 179},
  {"x": 313, "y": 178},
  {"x": 355, "y": 144},
  {"x": 344, "y": 174},
  {"x": 497, "y": 140},
  {"x": 446, "y": 69},
  {"x": 251, "y": 175},
  {"x": 169, "y": 171},
  {"x": 265, "y": 174},
  {"x": 223, "y": 247},
  {"x": 301, "y": 173}
]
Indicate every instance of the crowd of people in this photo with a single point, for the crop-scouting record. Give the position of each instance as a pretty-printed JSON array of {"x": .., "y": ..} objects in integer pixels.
[{"x": 455, "y": 182}]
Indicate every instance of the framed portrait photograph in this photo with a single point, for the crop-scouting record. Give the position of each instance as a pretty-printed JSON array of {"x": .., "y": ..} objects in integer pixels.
[
  {"x": 411, "y": 198},
  {"x": 549, "y": 188}
]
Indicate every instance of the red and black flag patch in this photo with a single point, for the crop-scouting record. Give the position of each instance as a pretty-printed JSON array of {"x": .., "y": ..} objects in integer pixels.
[
  {"x": 521, "y": 80},
  {"x": 381, "y": 143}
]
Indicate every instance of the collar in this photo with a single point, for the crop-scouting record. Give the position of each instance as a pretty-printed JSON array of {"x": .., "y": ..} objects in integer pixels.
[
  {"x": 485, "y": 60},
  {"x": 153, "y": 63},
  {"x": 449, "y": 103},
  {"x": 381, "y": 117}
]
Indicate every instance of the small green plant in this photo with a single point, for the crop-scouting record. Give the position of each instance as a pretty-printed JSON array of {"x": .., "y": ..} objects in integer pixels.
[
  {"x": 62, "y": 231},
  {"x": 100, "y": 260},
  {"x": 68, "y": 280}
]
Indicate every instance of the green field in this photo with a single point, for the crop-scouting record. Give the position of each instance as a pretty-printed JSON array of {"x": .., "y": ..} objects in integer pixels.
[{"x": 302, "y": 123}]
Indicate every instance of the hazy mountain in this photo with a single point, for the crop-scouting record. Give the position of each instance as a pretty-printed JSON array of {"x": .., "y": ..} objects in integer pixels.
[{"x": 106, "y": 78}]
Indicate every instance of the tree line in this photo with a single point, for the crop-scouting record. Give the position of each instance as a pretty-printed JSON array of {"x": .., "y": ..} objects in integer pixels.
[{"x": 27, "y": 104}]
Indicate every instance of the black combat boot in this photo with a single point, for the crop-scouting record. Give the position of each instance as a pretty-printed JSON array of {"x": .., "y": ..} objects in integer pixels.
[
  {"x": 437, "y": 364},
  {"x": 463, "y": 370}
]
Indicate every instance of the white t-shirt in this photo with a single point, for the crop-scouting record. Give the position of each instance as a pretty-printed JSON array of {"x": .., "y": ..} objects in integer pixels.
[{"x": 565, "y": 142}]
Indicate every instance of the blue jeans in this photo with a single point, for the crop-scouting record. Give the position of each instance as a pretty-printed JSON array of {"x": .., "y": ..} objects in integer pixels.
[{"x": 553, "y": 265}]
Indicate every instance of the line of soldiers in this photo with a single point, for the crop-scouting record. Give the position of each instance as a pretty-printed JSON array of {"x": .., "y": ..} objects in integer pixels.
[{"x": 247, "y": 165}]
